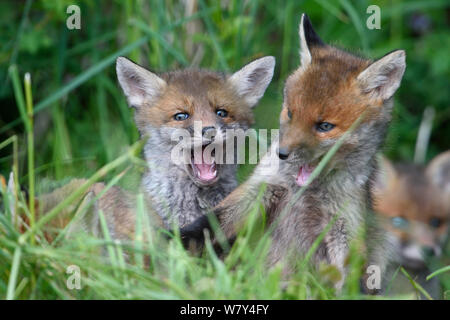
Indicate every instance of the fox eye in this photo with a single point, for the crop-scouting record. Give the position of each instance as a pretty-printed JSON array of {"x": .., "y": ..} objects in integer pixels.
[
  {"x": 289, "y": 114},
  {"x": 324, "y": 126},
  {"x": 180, "y": 116},
  {"x": 435, "y": 222},
  {"x": 222, "y": 113},
  {"x": 399, "y": 222}
]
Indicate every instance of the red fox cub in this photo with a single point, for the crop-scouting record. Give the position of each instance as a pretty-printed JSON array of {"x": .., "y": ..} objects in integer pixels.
[
  {"x": 322, "y": 99},
  {"x": 175, "y": 102},
  {"x": 167, "y": 103},
  {"x": 414, "y": 203}
]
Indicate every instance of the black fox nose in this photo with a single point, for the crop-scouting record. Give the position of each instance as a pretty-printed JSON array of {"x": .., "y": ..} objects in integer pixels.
[
  {"x": 283, "y": 153},
  {"x": 209, "y": 131}
]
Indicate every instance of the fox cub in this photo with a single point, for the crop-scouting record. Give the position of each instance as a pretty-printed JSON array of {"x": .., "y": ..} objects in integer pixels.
[
  {"x": 175, "y": 192},
  {"x": 322, "y": 99},
  {"x": 414, "y": 204},
  {"x": 182, "y": 192}
]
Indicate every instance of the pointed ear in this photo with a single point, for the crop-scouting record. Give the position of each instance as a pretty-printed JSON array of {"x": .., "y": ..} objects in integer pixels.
[
  {"x": 252, "y": 80},
  {"x": 438, "y": 171},
  {"x": 308, "y": 39},
  {"x": 139, "y": 85},
  {"x": 382, "y": 78},
  {"x": 386, "y": 175}
]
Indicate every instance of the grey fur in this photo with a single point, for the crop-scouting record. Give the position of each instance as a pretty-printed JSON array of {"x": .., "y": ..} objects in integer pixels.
[
  {"x": 173, "y": 193},
  {"x": 169, "y": 187}
]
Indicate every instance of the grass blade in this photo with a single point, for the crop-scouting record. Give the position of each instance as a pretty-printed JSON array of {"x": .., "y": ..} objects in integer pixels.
[
  {"x": 30, "y": 145},
  {"x": 416, "y": 286},
  {"x": 14, "y": 272},
  {"x": 438, "y": 272}
]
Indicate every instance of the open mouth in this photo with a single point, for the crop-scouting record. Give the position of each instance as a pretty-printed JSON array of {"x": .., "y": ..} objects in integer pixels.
[
  {"x": 303, "y": 175},
  {"x": 204, "y": 169}
]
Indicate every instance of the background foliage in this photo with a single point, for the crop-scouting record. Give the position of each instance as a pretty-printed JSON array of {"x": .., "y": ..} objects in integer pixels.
[{"x": 90, "y": 124}]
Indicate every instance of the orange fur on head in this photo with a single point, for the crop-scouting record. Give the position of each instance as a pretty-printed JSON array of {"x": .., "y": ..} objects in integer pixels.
[
  {"x": 334, "y": 87},
  {"x": 327, "y": 91},
  {"x": 197, "y": 92},
  {"x": 406, "y": 192}
]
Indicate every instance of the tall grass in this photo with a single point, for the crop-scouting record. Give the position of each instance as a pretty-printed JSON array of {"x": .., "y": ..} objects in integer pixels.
[
  {"x": 79, "y": 122},
  {"x": 119, "y": 272}
]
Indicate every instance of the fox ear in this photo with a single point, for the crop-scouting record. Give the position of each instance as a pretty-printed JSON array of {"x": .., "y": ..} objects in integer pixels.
[
  {"x": 382, "y": 78},
  {"x": 139, "y": 85},
  {"x": 252, "y": 80},
  {"x": 385, "y": 176},
  {"x": 308, "y": 39},
  {"x": 438, "y": 171}
]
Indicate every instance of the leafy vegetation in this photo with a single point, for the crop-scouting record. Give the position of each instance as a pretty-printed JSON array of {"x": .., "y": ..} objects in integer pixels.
[{"x": 72, "y": 119}]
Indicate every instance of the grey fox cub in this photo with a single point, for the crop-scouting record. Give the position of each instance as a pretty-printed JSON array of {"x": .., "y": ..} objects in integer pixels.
[
  {"x": 181, "y": 193},
  {"x": 177, "y": 193}
]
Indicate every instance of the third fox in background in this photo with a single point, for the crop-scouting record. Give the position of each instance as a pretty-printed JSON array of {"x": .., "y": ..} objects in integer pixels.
[{"x": 413, "y": 202}]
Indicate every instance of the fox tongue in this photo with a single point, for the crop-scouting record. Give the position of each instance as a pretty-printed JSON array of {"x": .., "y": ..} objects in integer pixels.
[
  {"x": 206, "y": 172},
  {"x": 303, "y": 174}
]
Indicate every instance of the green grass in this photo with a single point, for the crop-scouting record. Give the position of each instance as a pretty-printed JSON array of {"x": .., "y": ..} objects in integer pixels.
[{"x": 83, "y": 127}]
